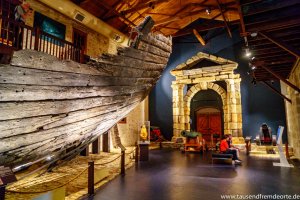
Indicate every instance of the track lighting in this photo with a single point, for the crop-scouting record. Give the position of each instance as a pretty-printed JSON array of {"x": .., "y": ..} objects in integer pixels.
[{"x": 247, "y": 52}]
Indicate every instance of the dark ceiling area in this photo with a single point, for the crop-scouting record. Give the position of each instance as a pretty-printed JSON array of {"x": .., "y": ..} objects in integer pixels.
[{"x": 270, "y": 28}]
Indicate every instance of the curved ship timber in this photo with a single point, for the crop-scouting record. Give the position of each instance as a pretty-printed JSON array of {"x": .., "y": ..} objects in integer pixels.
[{"x": 48, "y": 105}]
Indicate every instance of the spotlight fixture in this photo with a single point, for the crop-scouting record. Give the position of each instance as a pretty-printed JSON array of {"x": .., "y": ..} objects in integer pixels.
[
  {"x": 254, "y": 34},
  {"x": 253, "y": 58},
  {"x": 247, "y": 52},
  {"x": 272, "y": 81},
  {"x": 208, "y": 11}
]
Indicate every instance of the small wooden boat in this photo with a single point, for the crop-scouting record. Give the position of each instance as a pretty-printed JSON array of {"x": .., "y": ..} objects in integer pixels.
[{"x": 48, "y": 105}]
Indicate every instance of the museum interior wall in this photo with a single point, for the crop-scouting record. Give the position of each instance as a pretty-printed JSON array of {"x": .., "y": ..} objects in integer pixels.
[
  {"x": 128, "y": 128},
  {"x": 96, "y": 43},
  {"x": 259, "y": 103},
  {"x": 293, "y": 110}
]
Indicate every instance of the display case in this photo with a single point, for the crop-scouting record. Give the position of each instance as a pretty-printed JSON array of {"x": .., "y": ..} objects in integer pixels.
[{"x": 144, "y": 133}]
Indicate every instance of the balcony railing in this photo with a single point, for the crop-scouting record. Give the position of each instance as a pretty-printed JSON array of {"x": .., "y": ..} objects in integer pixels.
[{"x": 17, "y": 36}]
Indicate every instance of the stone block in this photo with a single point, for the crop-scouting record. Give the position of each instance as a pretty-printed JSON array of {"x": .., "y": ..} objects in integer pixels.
[
  {"x": 184, "y": 81},
  {"x": 234, "y": 117},
  {"x": 175, "y": 119},
  {"x": 222, "y": 77},
  {"x": 181, "y": 119},
  {"x": 204, "y": 79},
  {"x": 239, "y": 125},
  {"x": 239, "y": 118}
]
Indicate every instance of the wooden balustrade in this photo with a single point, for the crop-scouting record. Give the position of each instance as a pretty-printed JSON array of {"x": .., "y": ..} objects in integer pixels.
[{"x": 18, "y": 36}]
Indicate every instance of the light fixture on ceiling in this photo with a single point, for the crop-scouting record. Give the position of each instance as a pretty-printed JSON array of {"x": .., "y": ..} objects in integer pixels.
[
  {"x": 208, "y": 11},
  {"x": 254, "y": 34},
  {"x": 247, "y": 52}
]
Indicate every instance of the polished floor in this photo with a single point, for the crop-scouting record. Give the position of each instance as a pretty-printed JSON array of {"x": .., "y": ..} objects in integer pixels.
[{"x": 171, "y": 175}]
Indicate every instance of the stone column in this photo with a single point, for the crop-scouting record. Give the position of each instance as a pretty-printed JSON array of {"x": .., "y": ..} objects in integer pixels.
[
  {"x": 178, "y": 110},
  {"x": 231, "y": 107},
  {"x": 237, "y": 84}
]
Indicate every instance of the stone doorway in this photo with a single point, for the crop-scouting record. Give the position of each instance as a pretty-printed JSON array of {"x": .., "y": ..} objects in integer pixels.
[{"x": 203, "y": 72}]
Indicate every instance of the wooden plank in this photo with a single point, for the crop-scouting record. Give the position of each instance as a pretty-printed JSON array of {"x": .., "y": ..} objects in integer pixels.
[
  {"x": 14, "y": 127},
  {"x": 40, "y": 60},
  {"x": 18, "y": 110},
  {"x": 159, "y": 42},
  {"x": 75, "y": 129},
  {"x": 18, "y": 75},
  {"x": 153, "y": 49},
  {"x": 13, "y": 92},
  {"x": 142, "y": 55},
  {"x": 126, "y": 61}
]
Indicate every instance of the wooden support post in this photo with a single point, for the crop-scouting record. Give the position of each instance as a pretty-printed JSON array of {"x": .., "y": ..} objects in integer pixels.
[
  {"x": 96, "y": 146},
  {"x": 137, "y": 154},
  {"x": 2, "y": 191},
  {"x": 223, "y": 16},
  {"x": 122, "y": 162},
  {"x": 281, "y": 44},
  {"x": 85, "y": 151},
  {"x": 199, "y": 37},
  {"x": 36, "y": 40},
  {"x": 91, "y": 178},
  {"x": 276, "y": 91},
  {"x": 287, "y": 150},
  {"x": 105, "y": 142},
  {"x": 280, "y": 78}
]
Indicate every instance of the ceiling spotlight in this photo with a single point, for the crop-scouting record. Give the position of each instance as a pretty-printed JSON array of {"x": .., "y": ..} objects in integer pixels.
[
  {"x": 254, "y": 34},
  {"x": 208, "y": 11},
  {"x": 253, "y": 58},
  {"x": 247, "y": 53}
]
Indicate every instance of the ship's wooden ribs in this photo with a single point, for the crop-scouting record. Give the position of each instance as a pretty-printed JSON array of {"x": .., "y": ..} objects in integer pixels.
[
  {"x": 13, "y": 92},
  {"x": 158, "y": 43},
  {"x": 142, "y": 55},
  {"x": 10, "y": 128},
  {"x": 20, "y": 146},
  {"x": 18, "y": 75},
  {"x": 166, "y": 40},
  {"x": 76, "y": 129},
  {"x": 40, "y": 60},
  {"x": 153, "y": 50},
  {"x": 18, "y": 110},
  {"x": 135, "y": 63}
]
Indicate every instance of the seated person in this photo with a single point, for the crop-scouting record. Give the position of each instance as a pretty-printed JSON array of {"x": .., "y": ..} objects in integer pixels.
[
  {"x": 229, "y": 141},
  {"x": 266, "y": 133},
  {"x": 224, "y": 148}
]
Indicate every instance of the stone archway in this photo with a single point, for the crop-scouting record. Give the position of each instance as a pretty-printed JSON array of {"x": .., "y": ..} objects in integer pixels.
[
  {"x": 197, "y": 88},
  {"x": 204, "y": 71}
]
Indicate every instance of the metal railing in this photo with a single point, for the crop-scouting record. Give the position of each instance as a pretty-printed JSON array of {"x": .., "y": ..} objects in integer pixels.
[{"x": 17, "y": 36}]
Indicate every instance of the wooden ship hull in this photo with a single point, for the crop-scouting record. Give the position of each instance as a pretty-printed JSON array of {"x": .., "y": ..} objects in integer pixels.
[{"x": 48, "y": 105}]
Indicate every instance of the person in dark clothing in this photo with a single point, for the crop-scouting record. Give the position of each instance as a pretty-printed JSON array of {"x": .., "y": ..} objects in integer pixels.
[
  {"x": 224, "y": 148},
  {"x": 21, "y": 12}
]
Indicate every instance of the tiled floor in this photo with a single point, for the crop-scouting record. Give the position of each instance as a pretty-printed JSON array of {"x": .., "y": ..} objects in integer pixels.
[{"x": 171, "y": 175}]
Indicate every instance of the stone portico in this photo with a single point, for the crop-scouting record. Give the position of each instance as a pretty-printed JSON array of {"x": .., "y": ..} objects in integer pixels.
[{"x": 203, "y": 72}]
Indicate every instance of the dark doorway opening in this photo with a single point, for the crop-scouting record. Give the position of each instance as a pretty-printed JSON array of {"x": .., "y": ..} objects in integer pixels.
[{"x": 79, "y": 40}]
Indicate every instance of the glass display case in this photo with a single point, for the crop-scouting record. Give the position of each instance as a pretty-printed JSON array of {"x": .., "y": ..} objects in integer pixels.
[{"x": 144, "y": 133}]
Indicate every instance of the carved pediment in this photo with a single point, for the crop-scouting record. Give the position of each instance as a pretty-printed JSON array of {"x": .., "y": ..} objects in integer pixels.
[{"x": 203, "y": 63}]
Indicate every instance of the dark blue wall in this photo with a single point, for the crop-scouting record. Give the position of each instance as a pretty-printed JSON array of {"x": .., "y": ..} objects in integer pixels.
[{"x": 259, "y": 103}]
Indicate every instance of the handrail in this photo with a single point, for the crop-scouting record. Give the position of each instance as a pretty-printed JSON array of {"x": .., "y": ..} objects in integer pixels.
[{"x": 17, "y": 36}]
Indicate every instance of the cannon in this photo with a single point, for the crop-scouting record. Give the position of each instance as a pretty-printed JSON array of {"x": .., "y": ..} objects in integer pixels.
[{"x": 194, "y": 141}]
